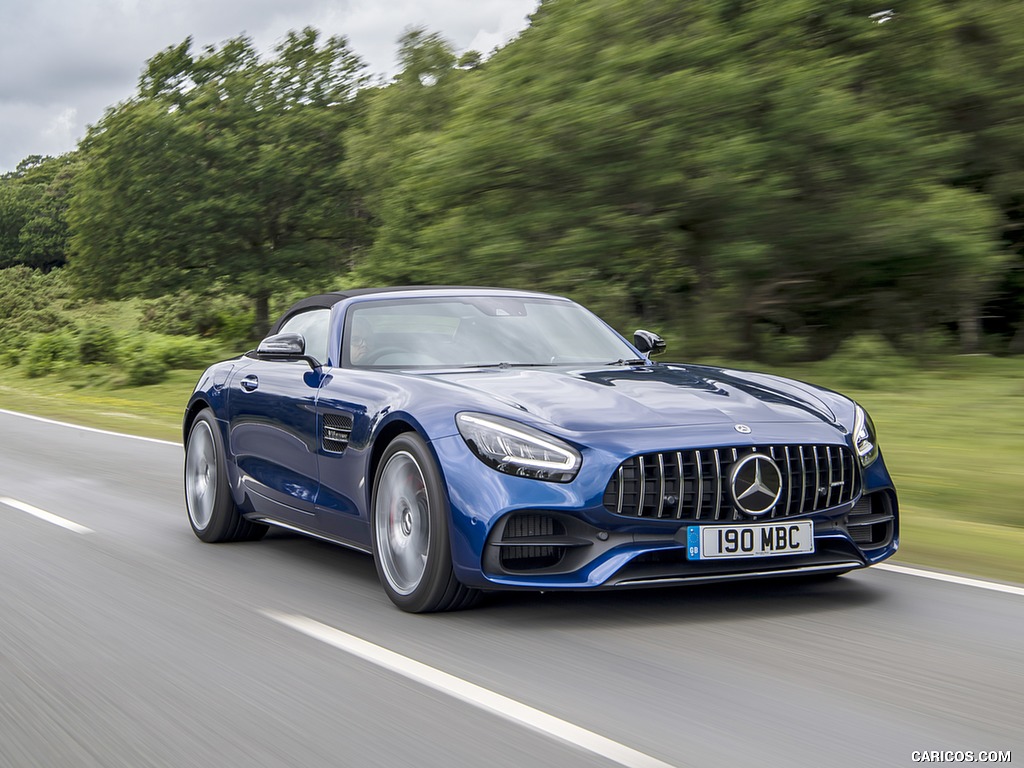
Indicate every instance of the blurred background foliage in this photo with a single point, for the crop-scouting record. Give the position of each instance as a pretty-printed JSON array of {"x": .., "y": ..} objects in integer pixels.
[
  {"x": 758, "y": 180},
  {"x": 834, "y": 190}
]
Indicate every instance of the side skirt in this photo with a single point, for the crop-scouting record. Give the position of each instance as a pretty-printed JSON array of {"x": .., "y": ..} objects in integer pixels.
[{"x": 306, "y": 532}]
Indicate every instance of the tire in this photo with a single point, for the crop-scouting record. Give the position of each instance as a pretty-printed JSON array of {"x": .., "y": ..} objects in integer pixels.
[
  {"x": 211, "y": 510},
  {"x": 409, "y": 531}
]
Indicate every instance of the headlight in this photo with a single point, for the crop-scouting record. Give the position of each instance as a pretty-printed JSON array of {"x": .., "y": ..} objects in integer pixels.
[
  {"x": 864, "y": 440},
  {"x": 517, "y": 449}
]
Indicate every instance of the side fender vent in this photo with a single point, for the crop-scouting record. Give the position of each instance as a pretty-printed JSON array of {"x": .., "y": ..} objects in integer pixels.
[{"x": 337, "y": 427}]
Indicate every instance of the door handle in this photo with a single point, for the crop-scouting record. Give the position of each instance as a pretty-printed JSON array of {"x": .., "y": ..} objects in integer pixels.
[{"x": 250, "y": 383}]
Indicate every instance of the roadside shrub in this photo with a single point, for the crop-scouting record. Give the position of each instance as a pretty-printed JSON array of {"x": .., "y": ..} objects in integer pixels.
[
  {"x": 866, "y": 361},
  {"x": 148, "y": 358},
  {"x": 97, "y": 344},
  {"x": 235, "y": 329},
  {"x": 140, "y": 365},
  {"x": 183, "y": 351},
  {"x": 191, "y": 313},
  {"x": 14, "y": 349},
  {"x": 47, "y": 351},
  {"x": 30, "y": 300}
]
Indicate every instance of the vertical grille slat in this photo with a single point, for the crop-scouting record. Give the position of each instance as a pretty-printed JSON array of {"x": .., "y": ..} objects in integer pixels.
[
  {"x": 700, "y": 484},
  {"x": 643, "y": 489},
  {"x": 803, "y": 480},
  {"x": 716, "y": 480},
  {"x": 660, "y": 498},
  {"x": 618, "y": 506},
  {"x": 682, "y": 486},
  {"x": 828, "y": 454},
  {"x": 693, "y": 484},
  {"x": 839, "y": 477}
]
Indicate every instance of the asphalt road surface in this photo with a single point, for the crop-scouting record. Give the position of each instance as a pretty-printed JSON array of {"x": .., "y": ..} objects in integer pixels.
[{"x": 124, "y": 641}]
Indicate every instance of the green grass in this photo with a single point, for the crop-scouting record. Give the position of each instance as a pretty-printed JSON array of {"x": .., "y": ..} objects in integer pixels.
[
  {"x": 153, "y": 411},
  {"x": 953, "y": 439},
  {"x": 952, "y": 435}
]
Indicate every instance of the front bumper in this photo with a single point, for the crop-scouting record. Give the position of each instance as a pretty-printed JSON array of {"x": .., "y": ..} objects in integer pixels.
[{"x": 563, "y": 537}]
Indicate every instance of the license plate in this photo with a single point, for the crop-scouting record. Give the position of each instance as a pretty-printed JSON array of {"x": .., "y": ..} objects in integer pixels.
[{"x": 710, "y": 542}]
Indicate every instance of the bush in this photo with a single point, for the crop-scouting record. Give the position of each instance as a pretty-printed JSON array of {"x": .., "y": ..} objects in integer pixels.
[
  {"x": 183, "y": 351},
  {"x": 46, "y": 351},
  {"x": 140, "y": 365},
  {"x": 30, "y": 301},
  {"x": 147, "y": 359},
  {"x": 190, "y": 313},
  {"x": 866, "y": 361},
  {"x": 97, "y": 344}
]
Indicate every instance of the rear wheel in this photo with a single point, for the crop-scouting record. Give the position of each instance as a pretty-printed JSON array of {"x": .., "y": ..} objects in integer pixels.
[
  {"x": 211, "y": 510},
  {"x": 411, "y": 546}
]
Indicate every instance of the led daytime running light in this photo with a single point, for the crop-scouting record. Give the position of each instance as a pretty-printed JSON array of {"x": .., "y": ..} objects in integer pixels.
[
  {"x": 864, "y": 440},
  {"x": 518, "y": 450}
]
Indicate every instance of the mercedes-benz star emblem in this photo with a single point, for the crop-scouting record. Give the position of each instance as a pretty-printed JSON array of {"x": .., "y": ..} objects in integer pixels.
[
  {"x": 756, "y": 484},
  {"x": 743, "y": 429}
]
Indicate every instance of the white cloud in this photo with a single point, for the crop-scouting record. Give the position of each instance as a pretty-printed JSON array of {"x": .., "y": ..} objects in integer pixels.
[
  {"x": 63, "y": 128},
  {"x": 90, "y": 55}
]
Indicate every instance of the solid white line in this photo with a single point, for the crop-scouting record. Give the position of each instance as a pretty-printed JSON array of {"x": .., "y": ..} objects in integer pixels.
[
  {"x": 90, "y": 429},
  {"x": 470, "y": 693},
  {"x": 951, "y": 579},
  {"x": 42, "y": 514}
]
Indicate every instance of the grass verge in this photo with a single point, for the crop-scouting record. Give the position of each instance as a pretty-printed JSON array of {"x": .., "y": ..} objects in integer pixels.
[{"x": 151, "y": 411}]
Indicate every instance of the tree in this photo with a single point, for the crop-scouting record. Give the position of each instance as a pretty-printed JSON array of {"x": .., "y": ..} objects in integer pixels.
[
  {"x": 222, "y": 167},
  {"x": 400, "y": 120},
  {"x": 33, "y": 206},
  {"x": 734, "y": 165}
]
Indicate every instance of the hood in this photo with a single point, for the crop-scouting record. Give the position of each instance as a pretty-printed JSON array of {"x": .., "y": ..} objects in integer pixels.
[{"x": 657, "y": 395}]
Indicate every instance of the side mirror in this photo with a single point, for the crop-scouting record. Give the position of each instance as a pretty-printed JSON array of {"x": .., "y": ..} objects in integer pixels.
[
  {"x": 285, "y": 346},
  {"x": 648, "y": 343}
]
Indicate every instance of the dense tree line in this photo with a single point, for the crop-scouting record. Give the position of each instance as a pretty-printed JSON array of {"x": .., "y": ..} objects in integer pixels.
[{"x": 771, "y": 177}]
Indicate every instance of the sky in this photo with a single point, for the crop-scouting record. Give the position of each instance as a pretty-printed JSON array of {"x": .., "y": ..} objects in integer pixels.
[{"x": 64, "y": 62}]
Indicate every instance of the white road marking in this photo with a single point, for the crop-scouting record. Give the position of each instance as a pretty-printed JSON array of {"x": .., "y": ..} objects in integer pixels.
[
  {"x": 510, "y": 709},
  {"x": 951, "y": 579},
  {"x": 89, "y": 429},
  {"x": 42, "y": 514}
]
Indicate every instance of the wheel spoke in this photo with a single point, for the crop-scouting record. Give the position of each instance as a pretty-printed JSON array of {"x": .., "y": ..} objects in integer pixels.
[
  {"x": 402, "y": 520},
  {"x": 201, "y": 475}
]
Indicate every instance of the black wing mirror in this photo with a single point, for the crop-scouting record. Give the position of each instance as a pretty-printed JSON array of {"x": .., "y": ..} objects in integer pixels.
[
  {"x": 648, "y": 343},
  {"x": 285, "y": 346}
]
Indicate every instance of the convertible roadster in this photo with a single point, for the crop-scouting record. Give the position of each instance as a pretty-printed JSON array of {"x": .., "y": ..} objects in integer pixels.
[{"x": 477, "y": 439}]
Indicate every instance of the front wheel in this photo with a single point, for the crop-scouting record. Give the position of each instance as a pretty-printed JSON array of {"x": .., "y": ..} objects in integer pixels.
[
  {"x": 411, "y": 546},
  {"x": 211, "y": 510}
]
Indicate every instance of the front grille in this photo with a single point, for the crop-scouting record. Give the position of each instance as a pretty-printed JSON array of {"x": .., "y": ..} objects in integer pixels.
[
  {"x": 693, "y": 484},
  {"x": 337, "y": 427}
]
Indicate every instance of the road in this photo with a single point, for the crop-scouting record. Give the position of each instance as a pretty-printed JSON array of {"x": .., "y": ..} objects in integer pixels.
[{"x": 124, "y": 641}]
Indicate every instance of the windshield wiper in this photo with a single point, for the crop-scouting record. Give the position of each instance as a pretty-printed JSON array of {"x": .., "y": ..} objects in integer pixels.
[{"x": 631, "y": 361}]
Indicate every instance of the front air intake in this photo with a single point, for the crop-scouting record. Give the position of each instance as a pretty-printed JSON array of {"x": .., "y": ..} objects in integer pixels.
[{"x": 533, "y": 556}]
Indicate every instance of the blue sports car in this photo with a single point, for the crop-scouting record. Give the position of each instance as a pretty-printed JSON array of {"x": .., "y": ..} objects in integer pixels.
[{"x": 479, "y": 439}]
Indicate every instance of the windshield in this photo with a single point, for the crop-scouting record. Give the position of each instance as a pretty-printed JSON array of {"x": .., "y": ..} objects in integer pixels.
[{"x": 476, "y": 331}]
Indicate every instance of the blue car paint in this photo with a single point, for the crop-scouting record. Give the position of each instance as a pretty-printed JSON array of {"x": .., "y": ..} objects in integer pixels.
[{"x": 608, "y": 414}]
